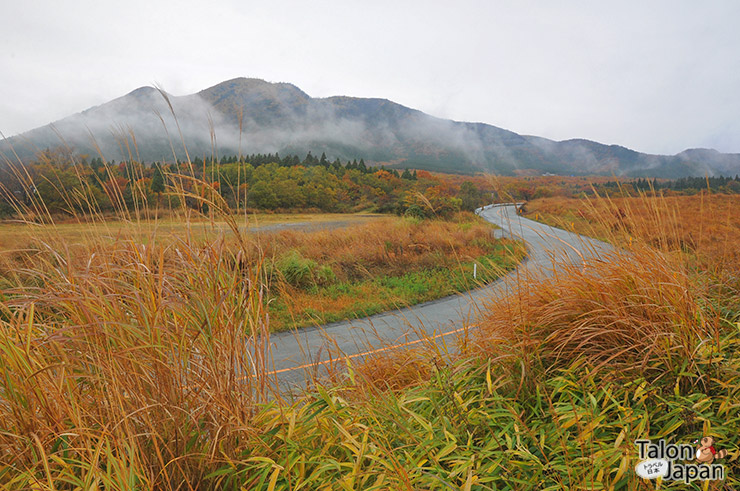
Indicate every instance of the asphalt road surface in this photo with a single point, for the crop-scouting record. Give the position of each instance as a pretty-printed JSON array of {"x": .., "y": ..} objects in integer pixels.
[{"x": 304, "y": 355}]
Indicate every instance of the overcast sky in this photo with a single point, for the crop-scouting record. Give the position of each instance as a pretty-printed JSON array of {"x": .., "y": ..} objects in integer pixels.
[{"x": 655, "y": 76}]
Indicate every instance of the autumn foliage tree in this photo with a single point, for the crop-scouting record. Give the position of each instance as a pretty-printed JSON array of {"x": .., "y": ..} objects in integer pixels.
[{"x": 68, "y": 184}]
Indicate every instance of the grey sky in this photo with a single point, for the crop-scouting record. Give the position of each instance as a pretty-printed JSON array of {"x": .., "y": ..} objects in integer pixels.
[{"x": 654, "y": 76}]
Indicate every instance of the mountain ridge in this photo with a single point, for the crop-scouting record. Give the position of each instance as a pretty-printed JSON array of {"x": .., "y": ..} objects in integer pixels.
[{"x": 255, "y": 116}]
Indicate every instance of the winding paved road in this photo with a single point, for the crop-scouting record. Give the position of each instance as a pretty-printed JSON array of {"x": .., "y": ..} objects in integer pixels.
[{"x": 303, "y": 355}]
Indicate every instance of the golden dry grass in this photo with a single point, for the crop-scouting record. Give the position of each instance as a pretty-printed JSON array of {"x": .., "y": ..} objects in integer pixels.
[
  {"x": 637, "y": 312},
  {"x": 707, "y": 226},
  {"x": 334, "y": 274},
  {"x": 20, "y": 235},
  {"x": 157, "y": 359},
  {"x": 653, "y": 305},
  {"x": 389, "y": 246}
]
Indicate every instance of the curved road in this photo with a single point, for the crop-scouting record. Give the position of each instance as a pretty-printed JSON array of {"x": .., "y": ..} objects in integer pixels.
[{"x": 303, "y": 355}]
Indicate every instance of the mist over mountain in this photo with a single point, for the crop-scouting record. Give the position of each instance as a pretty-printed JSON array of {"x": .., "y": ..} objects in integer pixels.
[{"x": 253, "y": 116}]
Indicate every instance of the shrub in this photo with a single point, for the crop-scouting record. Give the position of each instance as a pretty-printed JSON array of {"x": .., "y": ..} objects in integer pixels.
[
  {"x": 415, "y": 211},
  {"x": 295, "y": 269}
]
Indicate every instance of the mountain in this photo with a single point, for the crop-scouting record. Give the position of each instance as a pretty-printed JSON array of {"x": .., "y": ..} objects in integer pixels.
[{"x": 255, "y": 116}]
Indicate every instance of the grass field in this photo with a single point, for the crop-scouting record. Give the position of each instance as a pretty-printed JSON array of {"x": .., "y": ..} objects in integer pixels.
[
  {"x": 18, "y": 234},
  {"x": 121, "y": 366},
  {"x": 316, "y": 268},
  {"x": 331, "y": 275},
  {"x": 707, "y": 227}
]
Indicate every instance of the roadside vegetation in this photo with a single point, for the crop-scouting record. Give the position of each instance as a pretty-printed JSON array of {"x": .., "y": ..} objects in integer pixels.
[
  {"x": 131, "y": 364},
  {"x": 326, "y": 276},
  {"x": 338, "y": 270}
]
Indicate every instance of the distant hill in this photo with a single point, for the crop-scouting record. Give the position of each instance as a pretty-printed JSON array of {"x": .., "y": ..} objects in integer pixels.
[{"x": 279, "y": 117}]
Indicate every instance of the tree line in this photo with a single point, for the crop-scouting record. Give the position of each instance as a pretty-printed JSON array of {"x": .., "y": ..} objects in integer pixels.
[
  {"x": 683, "y": 185},
  {"x": 72, "y": 184}
]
